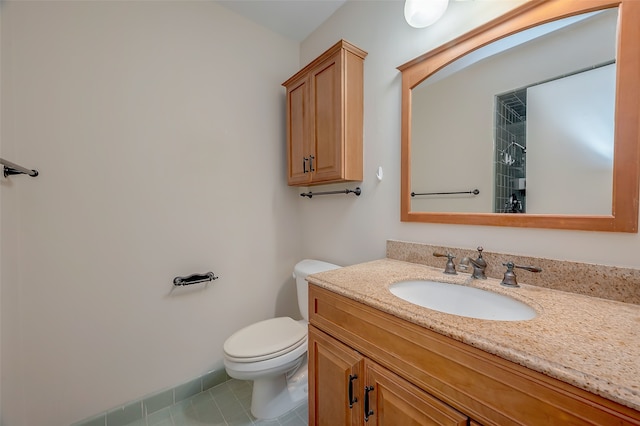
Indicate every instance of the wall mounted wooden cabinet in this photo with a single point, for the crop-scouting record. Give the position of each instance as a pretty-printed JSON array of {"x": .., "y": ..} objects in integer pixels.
[{"x": 325, "y": 118}]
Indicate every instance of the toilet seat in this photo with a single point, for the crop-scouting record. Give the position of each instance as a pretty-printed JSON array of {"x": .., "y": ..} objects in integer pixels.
[{"x": 265, "y": 340}]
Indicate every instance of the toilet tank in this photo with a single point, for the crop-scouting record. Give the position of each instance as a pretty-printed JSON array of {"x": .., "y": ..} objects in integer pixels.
[{"x": 300, "y": 272}]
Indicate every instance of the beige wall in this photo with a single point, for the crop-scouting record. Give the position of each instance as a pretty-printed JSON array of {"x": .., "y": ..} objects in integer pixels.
[
  {"x": 158, "y": 130},
  {"x": 1, "y": 7},
  {"x": 351, "y": 231}
]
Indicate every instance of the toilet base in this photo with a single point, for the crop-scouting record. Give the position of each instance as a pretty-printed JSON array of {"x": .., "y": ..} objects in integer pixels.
[{"x": 275, "y": 396}]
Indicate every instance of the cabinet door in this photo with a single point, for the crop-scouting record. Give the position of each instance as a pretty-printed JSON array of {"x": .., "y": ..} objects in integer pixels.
[
  {"x": 335, "y": 375},
  {"x": 327, "y": 119},
  {"x": 298, "y": 120},
  {"x": 393, "y": 401}
]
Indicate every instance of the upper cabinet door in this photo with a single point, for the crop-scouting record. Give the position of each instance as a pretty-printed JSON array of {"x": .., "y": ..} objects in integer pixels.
[
  {"x": 326, "y": 87},
  {"x": 298, "y": 119},
  {"x": 325, "y": 118}
]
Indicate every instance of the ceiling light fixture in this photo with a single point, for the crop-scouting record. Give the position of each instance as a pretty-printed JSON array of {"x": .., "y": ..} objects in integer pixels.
[{"x": 422, "y": 13}]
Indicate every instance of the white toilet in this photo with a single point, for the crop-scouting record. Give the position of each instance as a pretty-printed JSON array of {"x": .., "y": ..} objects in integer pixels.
[{"x": 273, "y": 353}]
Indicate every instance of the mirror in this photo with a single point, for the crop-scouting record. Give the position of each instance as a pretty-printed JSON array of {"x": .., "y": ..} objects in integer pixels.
[
  {"x": 526, "y": 123},
  {"x": 453, "y": 116}
]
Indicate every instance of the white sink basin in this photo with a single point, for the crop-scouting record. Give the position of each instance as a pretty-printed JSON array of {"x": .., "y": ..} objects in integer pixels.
[{"x": 462, "y": 300}]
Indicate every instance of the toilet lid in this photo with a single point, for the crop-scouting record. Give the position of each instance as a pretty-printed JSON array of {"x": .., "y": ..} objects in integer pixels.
[{"x": 265, "y": 339}]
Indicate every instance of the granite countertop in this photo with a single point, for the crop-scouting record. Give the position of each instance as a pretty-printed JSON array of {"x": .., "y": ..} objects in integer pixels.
[{"x": 591, "y": 343}]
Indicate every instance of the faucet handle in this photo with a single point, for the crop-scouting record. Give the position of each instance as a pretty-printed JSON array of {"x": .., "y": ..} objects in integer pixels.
[
  {"x": 480, "y": 261},
  {"x": 450, "y": 268},
  {"x": 509, "y": 279}
]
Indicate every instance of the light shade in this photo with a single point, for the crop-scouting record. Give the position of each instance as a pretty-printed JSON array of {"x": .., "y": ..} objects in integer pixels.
[{"x": 422, "y": 13}]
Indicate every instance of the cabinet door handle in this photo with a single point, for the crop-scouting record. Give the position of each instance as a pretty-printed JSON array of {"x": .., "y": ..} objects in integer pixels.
[
  {"x": 367, "y": 411},
  {"x": 352, "y": 400},
  {"x": 311, "y": 158},
  {"x": 304, "y": 164}
]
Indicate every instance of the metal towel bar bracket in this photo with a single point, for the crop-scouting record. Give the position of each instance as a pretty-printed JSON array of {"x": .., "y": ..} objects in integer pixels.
[
  {"x": 474, "y": 192},
  {"x": 194, "y": 279},
  {"x": 356, "y": 191},
  {"x": 13, "y": 169}
]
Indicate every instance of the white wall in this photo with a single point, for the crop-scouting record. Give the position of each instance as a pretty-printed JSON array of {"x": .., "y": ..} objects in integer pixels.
[
  {"x": 350, "y": 231},
  {"x": 158, "y": 131},
  {"x": 570, "y": 121}
]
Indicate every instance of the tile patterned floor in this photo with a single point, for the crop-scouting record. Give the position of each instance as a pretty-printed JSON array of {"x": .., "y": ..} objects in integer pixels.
[{"x": 227, "y": 404}]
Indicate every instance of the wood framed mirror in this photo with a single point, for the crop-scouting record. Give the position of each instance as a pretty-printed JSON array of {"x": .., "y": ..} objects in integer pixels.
[{"x": 625, "y": 169}]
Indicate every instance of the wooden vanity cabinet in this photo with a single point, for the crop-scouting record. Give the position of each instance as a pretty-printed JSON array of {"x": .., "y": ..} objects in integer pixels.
[
  {"x": 420, "y": 377},
  {"x": 350, "y": 389},
  {"x": 335, "y": 378},
  {"x": 325, "y": 118}
]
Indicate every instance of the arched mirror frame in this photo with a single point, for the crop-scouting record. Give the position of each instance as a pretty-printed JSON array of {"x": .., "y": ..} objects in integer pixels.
[{"x": 626, "y": 165}]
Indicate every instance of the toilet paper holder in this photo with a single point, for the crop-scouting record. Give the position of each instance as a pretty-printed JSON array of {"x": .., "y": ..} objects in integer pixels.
[{"x": 194, "y": 279}]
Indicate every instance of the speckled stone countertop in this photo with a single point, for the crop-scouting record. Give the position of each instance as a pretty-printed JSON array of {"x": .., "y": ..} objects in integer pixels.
[{"x": 591, "y": 343}]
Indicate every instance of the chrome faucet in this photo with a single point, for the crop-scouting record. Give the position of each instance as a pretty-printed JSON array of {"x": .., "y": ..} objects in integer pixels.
[{"x": 479, "y": 265}]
